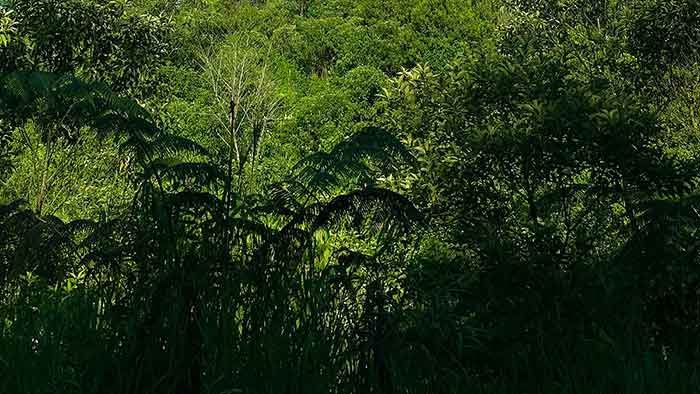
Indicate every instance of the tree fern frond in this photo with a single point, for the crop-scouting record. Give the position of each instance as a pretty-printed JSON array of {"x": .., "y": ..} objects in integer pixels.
[
  {"x": 282, "y": 200},
  {"x": 181, "y": 173},
  {"x": 323, "y": 174},
  {"x": 375, "y": 144},
  {"x": 163, "y": 145},
  {"x": 377, "y": 209},
  {"x": 247, "y": 226},
  {"x": 352, "y": 161},
  {"x": 71, "y": 103}
]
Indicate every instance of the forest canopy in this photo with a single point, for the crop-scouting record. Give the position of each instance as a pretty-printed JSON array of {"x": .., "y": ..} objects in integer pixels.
[{"x": 366, "y": 196}]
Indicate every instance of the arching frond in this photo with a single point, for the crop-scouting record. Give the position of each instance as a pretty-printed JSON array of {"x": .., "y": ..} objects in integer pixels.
[
  {"x": 284, "y": 198},
  {"x": 376, "y": 209},
  {"x": 322, "y": 174},
  {"x": 352, "y": 161},
  {"x": 249, "y": 227},
  {"x": 163, "y": 145},
  {"x": 373, "y": 143},
  {"x": 65, "y": 104},
  {"x": 181, "y": 173}
]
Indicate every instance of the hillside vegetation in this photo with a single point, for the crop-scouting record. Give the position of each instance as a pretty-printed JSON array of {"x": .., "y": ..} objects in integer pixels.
[{"x": 349, "y": 196}]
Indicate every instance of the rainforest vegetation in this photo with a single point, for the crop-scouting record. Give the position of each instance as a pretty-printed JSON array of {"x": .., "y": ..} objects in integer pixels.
[{"x": 349, "y": 196}]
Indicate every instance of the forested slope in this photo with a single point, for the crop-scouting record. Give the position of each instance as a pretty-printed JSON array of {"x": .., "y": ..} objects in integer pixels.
[{"x": 369, "y": 196}]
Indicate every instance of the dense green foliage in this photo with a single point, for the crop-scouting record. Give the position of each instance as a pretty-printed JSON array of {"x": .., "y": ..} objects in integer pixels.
[{"x": 367, "y": 196}]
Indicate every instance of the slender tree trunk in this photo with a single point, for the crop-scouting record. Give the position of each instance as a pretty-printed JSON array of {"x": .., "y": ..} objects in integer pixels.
[{"x": 41, "y": 195}]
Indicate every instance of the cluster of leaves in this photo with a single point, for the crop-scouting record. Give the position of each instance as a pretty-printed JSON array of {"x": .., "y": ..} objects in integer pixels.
[
  {"x": 551, "y": 181},
  {"x": 96, "y": 41}
]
